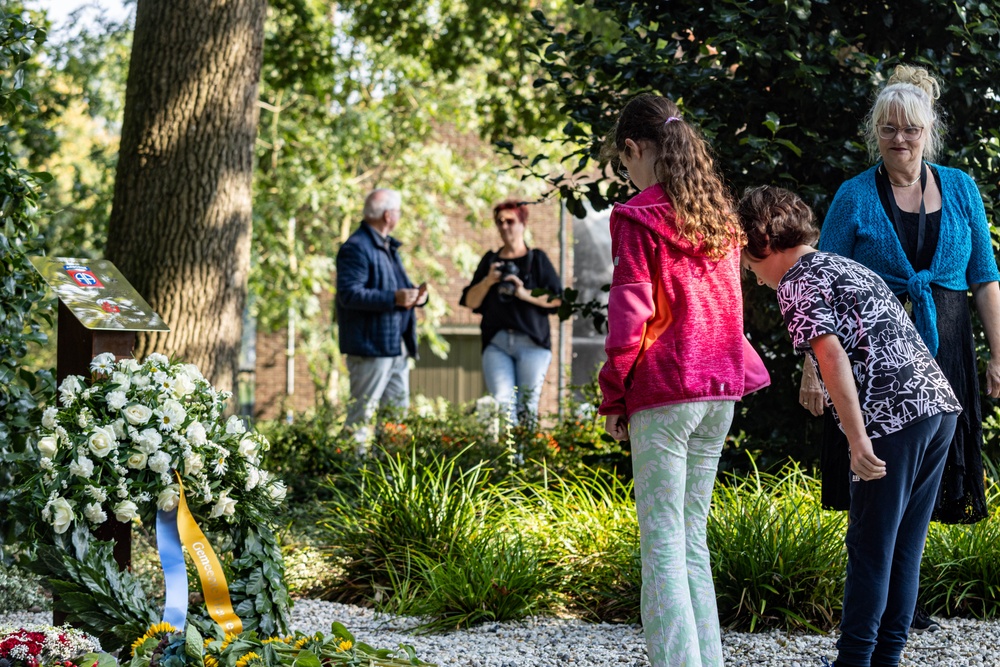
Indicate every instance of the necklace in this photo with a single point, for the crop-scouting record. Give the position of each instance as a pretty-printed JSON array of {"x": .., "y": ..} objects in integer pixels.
[{"x": 898, "y": 185}]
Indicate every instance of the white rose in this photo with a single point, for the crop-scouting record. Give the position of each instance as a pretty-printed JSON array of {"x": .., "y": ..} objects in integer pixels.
[
  {"x": 192, "y": 372},
  {"x": 168, "y": 499},
  {"x": 47, "y": 446},
  {"x": 61, "y": 514},
  {"x": 69, "y": 388},
  {"x": 159, "y": 462},
  {"x": 183, "y": 385},
  {"x": 129, "y": 365},
  {"x": 140, "y": 381},
  {"x": 102, "y": 440},
  {"x": 277, "y": 491},
  {"x": 248, "y": 449},
  {"x": 126, "y": 510},
  {"x": 49, "y": 418},
  {"x": 253, "y": 478},
  {"x": 193, "y": 464},
  {"x": 170, "y": 415},
  {"x": 122, "y": 380},
  {"x": 196, "y": 434},
  {"x": 224, "y": 506},
  {"x": 235, "y": 426},
  {"x": 137, "y": 461},
  {"x": 138, "y": 414},
  {"x": 116, "y": 400},
  {"x": 94, "y": 513},
  {"x": 82, "y": 467}
]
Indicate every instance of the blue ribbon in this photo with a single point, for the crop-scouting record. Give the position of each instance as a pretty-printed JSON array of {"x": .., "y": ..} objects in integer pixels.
[{"x": 168, "y": 541}]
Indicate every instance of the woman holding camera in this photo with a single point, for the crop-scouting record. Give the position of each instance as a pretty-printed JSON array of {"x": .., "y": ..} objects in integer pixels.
[{"x": 517, "y": 344}]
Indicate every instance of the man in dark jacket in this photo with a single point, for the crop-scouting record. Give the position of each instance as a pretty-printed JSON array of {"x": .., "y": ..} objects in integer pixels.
[{"x": 375, "y": 301}]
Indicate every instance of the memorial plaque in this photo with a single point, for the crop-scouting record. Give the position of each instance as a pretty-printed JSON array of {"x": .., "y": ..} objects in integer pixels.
[{"x": 97, "y": 294}]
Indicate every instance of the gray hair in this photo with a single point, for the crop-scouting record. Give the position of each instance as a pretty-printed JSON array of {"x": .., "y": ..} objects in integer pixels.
[
  {"x": 911, "y": 92},
  {"x": 380, "y": 201}
]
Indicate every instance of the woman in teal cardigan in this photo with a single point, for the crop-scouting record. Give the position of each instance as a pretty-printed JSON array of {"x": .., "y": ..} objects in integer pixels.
[{"x": 922, "y": 227}]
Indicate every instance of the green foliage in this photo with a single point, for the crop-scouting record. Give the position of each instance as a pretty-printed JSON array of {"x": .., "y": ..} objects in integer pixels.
[
  {"x": 493, "y": 577},
  {"x": 311, "y": 450},
  {"x": 20, "y": 589},
  {"x": 96, "y": 596},
  {"x": 960, "y": 573},
  {"x": 587, "y": 520},
  {"x": 400, "y": 507},
  {"x": 257, "y": 580},
  {"x": 23, "y": 308},
  {"x": 779, "y": 89},
  {"x": 778, "y": 558}
]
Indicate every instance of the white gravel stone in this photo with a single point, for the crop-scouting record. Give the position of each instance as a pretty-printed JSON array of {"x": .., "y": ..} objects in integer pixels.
[{"x": 551, "y": 642}]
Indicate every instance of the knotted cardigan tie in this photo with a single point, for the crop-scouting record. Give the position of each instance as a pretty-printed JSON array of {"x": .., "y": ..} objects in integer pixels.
[{"x": 918, "y": 287}]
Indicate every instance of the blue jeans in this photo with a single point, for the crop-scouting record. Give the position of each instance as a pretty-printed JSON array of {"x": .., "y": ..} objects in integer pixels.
[
  {"x": 512, "y": 360},
  {"x": 885, "y": 542},
  {"x": 375, "y": 382}
]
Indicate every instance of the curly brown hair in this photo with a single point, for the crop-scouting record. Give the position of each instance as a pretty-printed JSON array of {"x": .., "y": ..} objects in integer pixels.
[
  {"x": 685, "y": 170},
  {"x": 775, "y": 219}
]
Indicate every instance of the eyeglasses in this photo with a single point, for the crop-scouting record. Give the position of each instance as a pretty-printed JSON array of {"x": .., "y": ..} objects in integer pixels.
[{"x": 889, "y": 132}]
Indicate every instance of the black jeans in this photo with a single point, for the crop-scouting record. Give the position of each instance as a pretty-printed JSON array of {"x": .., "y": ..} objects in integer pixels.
[{"x": 885, "y": 542}]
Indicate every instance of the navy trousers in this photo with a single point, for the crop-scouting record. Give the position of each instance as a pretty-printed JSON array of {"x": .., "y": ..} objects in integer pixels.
[{"x": 885, "y": 542}]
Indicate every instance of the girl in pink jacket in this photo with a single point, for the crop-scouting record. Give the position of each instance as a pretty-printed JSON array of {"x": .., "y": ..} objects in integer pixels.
[{"x": 675, "y": 364}]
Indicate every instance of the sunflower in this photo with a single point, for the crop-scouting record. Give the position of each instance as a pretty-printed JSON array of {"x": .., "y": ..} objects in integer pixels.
[
  {"x": 247, "y": 659},
  {"x": 157, "y": 630}
]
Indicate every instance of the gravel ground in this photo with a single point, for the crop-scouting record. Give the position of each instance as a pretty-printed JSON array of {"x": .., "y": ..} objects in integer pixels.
[{"x": 548, "y": 642}]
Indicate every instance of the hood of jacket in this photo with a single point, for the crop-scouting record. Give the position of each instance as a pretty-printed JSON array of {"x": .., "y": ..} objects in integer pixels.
[{"x": 653, "y": 209}]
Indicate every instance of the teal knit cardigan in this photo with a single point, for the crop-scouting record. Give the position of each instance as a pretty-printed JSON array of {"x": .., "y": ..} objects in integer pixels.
[{"x": 857, "y": 227}]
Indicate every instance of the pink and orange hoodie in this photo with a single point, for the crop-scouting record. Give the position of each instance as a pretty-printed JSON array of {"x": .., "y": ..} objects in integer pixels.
[{"x": 675, "y": 316}]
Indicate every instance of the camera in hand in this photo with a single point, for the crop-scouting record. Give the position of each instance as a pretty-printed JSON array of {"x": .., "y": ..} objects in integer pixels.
[{"x": 506, "y": 289}]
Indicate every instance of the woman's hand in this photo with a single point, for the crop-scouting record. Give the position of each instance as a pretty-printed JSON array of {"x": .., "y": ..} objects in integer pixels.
[
  {"x": 864, "y": 463},
  {"x": 993, "y": 377},
  {"x": 520, "y": 291},
  {"x": 494, "y": 276},
  {"x": 616, "y": 426},
  {"x": 810, "y": 392}
]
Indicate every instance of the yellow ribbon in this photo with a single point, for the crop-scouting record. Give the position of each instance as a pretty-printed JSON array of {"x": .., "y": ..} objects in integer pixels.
[{"x": 213, "y": 579}]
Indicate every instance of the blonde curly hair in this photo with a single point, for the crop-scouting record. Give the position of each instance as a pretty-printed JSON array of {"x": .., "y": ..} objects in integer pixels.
[
  {"x": 911, "y": 92},
  {"x": 684, "y": 169}
]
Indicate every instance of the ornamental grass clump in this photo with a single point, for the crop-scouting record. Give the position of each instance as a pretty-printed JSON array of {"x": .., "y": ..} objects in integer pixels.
[
  {"x": 587, "y": 523},
  {"x": 496, "y": 576},
  {"x": 778, "y": 558},
  {"x": 960, "y": 572},
  {"x": 403, "y": 506}
]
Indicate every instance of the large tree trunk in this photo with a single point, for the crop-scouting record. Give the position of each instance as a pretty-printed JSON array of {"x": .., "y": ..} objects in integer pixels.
[{"x": 180, "y": 228}]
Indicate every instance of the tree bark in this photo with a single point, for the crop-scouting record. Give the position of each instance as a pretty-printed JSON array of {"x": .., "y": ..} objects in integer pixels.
[{"x": 180, "y": 227}]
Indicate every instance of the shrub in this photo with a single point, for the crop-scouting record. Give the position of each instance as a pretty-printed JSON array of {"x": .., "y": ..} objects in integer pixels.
[
  {"x": 778, "y": 558},
  {"x": 587, "y": 520},
  {"x": 960, "y": 573},
  {"x": 403, "y": 506},
  {"x": 20, "y": 590},
  {"x": 495, "y": 576}
]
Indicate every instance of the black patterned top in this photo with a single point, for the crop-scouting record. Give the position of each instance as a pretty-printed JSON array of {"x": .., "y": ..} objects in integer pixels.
[{"x": 898, "y": 380}]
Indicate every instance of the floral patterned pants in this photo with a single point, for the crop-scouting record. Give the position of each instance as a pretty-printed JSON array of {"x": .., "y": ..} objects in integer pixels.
[{"x": 675, "y": 455}]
